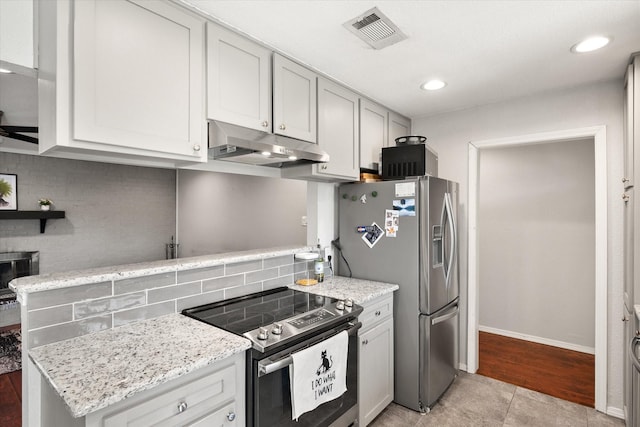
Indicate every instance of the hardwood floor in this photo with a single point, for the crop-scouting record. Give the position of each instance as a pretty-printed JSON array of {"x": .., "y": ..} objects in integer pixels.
[
  {"x": 11, "y": 399},
  {"x": 566, "y": 374}
]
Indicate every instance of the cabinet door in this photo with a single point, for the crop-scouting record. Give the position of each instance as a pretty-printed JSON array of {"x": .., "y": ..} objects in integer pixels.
[
  {"x": 373, "y": 133},
  {"x": 627, "y": 179},
  {"x": 16, "y": 32},
  {"x": 238, "y": 79},
  {"x": 338, "y": 130},
  {"x": 375, "y": 388},
  {"x": 138, "y": 76},
  {"x": 294, "y": 100},
  {"x": 398, "y": 126}
]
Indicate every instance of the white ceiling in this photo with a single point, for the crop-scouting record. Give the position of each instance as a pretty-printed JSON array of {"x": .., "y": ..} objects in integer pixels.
[{"x": 486, "y": 50}]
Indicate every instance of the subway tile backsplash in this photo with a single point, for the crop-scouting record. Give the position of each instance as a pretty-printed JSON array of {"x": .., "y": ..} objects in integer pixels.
[{"x": 59, "y": 314}]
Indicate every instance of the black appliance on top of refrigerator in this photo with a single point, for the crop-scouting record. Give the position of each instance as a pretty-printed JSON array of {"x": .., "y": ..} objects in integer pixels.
[{"x": 404, "y": 232}]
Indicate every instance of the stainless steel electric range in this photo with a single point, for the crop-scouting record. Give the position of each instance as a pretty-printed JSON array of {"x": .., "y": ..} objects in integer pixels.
[{"x": 280, "y": 322}]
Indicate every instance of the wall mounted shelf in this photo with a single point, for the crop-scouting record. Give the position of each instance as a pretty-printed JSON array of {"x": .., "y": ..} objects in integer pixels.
[{"x": 43, "y": 216}]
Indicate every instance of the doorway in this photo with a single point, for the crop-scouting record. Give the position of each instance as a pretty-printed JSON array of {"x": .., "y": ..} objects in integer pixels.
[{"x": 598, "y": 135}]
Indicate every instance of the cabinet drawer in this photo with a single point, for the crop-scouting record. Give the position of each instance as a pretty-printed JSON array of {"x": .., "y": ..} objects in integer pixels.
[
  {"x": 376, "y": 311},
  {"x": 180, "y": 406}
]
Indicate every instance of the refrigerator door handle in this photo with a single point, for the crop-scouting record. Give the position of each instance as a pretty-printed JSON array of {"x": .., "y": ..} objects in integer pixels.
[
  {"x": 443, "y": 256},
  {"x": 454, "y": 238},
  {"x": 453, "y": 313}
]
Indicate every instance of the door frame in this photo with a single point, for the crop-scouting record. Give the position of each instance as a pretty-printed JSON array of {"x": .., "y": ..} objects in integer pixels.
[{"x": 598, "y": 133}]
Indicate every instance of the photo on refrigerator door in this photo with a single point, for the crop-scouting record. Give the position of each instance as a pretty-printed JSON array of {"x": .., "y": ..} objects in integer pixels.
[{"x": 373, "y": 235}]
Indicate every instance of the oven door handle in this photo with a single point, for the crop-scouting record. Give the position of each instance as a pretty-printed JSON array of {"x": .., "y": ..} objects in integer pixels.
[{"x": 268, "y": 366}]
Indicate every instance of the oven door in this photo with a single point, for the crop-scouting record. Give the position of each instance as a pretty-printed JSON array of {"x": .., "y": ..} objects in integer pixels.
[{"x": 269, "y": 395}]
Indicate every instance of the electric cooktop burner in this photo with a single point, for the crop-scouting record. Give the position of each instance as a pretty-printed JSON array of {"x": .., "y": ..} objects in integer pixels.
[{"x": 275, "y": 317}]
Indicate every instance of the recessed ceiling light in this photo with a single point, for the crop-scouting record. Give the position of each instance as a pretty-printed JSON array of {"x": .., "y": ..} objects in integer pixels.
[
  {"x": 433, "y": 85},
  {"x": 590, "y": 44},
  {"x": 5, "y": 71}
]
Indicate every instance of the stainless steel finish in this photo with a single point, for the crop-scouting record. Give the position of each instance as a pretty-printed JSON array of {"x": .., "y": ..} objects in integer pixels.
[
  {"x": 426, "y": 312},
  {"x": 231, "y": 416},
  {"x": 282, "y": 127},
  {"x": 182, "y": 406},
  {"x": 340, "y": 305},
  {"x": 450, "y": 315},
  {"x": 348, "y": 302},
  {"x": 242, "y": 145},
  {"x": 633, "y": 390},
  {"x": 331, "y": 314},
  {"x": 265, "y": 124},
  {"x": 263, "y": 334},
  {"x": 277, "y": 329},
  {"x": 349, "y": 418},
  {"x": 196, "y": 147},
  {"x": 279, "y": 361}
]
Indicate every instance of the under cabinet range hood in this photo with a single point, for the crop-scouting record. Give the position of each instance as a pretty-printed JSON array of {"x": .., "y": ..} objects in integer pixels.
[{"x": 243, "y": 145}]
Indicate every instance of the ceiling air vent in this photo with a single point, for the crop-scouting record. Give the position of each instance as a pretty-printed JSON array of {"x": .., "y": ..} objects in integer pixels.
[{"x": 375, "y": 29}]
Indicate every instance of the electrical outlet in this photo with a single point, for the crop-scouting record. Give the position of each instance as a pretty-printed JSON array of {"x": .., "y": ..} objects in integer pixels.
[
  {"x": 328, "y": 251},
  {"x": 303, "y": 221}
]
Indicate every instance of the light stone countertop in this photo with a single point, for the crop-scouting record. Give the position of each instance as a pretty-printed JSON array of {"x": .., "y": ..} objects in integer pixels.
[
  {"x": 94, "y": 371},
  {"x": 44, "y": 282},
  {"x": 359, "y": 290}
]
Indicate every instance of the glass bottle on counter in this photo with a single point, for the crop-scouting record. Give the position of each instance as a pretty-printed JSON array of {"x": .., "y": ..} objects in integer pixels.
[{"x": 318, "y": 266}]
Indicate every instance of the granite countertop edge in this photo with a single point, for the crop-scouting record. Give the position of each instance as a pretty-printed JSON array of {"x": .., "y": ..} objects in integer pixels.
[
  {"x": 57, "y": 362},
  {"x": 86, "y": 388},
  {"x": 43, "y": 282},
  {"x": 359, "y": 290}
]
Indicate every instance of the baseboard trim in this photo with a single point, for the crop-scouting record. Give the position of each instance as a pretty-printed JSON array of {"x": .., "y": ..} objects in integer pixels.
[
  {"x": 615, "y": 412},
  {"x": 539, "y": 340}
]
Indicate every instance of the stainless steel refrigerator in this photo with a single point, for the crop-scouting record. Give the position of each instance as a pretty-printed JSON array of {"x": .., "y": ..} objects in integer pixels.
[{"x": 404, "y": 232}]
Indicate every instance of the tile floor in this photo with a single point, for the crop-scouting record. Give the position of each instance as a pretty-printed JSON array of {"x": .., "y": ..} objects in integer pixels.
[{"x": 477, "y": 401}]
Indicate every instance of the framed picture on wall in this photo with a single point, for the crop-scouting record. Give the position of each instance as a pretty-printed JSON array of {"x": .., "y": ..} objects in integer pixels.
[{"x": 8, "y": 192}]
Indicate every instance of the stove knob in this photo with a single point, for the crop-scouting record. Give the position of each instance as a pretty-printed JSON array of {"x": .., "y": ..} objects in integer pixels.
[
  {"x": 277, "y": 329},
  {"x": 263, "y": 334},
  {"x": 340, "y": 305},
  {"x": 348, "y": 302}
]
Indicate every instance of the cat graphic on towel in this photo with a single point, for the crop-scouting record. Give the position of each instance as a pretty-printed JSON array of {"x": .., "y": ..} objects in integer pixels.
[{"x": 327, "y": 363}]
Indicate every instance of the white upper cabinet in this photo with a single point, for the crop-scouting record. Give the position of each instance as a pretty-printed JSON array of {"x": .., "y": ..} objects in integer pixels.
[
  {"x": 294, "y": 100},
  {"x": 373, "y": 133},
  {"x": 132, "y": 84},
  {"x": 398, "y": 126},
  {"x": 631, "y": 120},
  {"x": 238, "y": 79},
  {"x": 338, "y": 130},
  {"x": 16, "y": 32},
  {"x": 337, "y": 135}
]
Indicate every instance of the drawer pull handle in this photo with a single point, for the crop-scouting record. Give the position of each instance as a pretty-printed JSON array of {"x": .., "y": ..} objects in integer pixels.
[
  {"x": 231, "y": 416},
  {"x": 378, "y": 313},
  {"x": 182, "y": 406}
]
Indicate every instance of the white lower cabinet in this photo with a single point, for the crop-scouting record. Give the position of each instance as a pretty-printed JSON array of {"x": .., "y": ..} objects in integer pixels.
[
  {"x": 375, "y": 367},
  {"x": 211, "y": 396}
]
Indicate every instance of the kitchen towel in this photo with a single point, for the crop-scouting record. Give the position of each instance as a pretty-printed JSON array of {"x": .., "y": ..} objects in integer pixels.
[{"x": 318, "y": 374}]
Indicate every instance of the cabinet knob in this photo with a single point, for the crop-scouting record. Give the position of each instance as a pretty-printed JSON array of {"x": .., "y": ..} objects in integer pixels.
[
  {"x": 625, "y": 180},
  {"x": 323, "y": 167},
  {"x": 265, "y": 124},
  {"x": 282, "y": 127},
  {"x": 365, "y": 342},
  {"x": 182, "y": 406},
  {"x": 625, "y": 197},
  {"x": 196, "y": 147},
  {"x": 231, "y": 416},
  {"x": 378, "y": 313},
  {"x": 625, "y": 319}
]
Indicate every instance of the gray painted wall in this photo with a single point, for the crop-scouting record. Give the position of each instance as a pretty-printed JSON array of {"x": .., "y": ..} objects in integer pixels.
[
  {"x": 114, "y": 214},
  {"x": 226, "y": 212},
  {"x": 536, "y": 227},
  {"x": 584, "y": 106}
]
